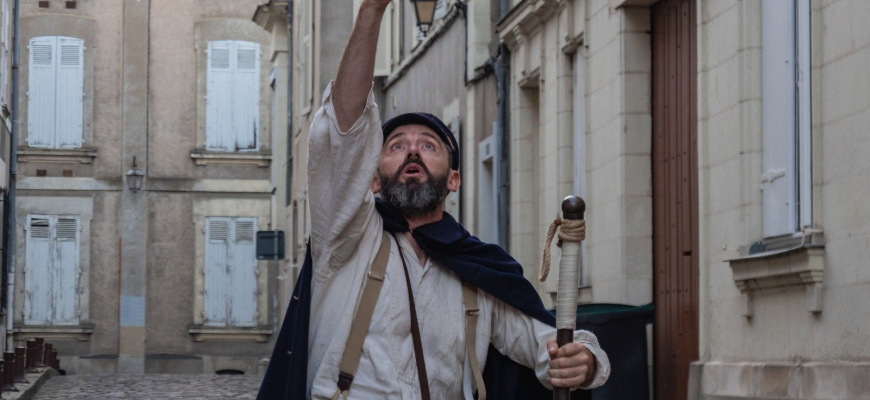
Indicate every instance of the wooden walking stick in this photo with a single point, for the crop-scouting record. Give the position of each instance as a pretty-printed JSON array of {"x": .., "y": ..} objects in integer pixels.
[{"x": 573, "y": 231}]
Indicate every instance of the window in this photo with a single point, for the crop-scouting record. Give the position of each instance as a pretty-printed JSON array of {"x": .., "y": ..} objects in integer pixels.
[
  {"x": 4, "y": 51},
  {"x": 233, "y": 96},
  {"x": 786, "y": 121},
  {"x": 230, "y": 292},
  {"x": 51, "y": 270},
  {"x": 305, "y": 58},
  {"x": 579, "y": 140},
  {"x": 384, "y": 55},
  {"x": 55, "y": 93}
]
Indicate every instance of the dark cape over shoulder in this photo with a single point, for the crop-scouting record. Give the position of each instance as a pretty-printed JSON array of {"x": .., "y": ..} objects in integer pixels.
[{"x": 486, "y": 266}]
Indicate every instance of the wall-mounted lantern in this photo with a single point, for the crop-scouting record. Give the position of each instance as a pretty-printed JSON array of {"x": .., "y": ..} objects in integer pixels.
[
  {"x": 135, "y": 177},
  {"x": 425, "y": 10}
]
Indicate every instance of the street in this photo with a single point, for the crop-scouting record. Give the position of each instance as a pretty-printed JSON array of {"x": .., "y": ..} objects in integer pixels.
[{"x": 151, "y": 386}]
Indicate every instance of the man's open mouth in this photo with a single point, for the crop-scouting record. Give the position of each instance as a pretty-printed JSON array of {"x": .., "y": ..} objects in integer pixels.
[{"x": 413, "y": 170}]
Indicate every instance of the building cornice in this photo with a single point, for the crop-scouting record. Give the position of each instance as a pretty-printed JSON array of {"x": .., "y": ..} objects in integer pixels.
[{"x": 524, "y": 19}]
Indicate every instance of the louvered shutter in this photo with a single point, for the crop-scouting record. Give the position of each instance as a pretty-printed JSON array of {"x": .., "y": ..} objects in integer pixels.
[
  {"x": 778, "y": 118},
  {"x": 219, "y": 86},
  {"x": 215, "y": 271},
  {"x": 41, "y": 92},
  {"x": 246, "y": 95},
  {"x": 65, "y": 271},
  {"x": 37, "y": 295},
  {"x": 70, "y": 92},
  {"x": 242, "y": 273}
]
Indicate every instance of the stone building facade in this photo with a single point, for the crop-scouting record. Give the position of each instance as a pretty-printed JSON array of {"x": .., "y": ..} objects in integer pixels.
[
  {"x": 717, "y": 145},
  {"x": 162, "y": 277}
]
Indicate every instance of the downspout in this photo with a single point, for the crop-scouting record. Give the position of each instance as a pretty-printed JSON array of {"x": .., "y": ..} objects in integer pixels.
[
  {"x": 13, "y": 172},
  {"x": 501, "y": 66}
]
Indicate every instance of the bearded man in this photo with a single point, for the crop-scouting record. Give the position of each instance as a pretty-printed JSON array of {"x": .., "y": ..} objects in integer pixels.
[{"x": 416, "y": 345}]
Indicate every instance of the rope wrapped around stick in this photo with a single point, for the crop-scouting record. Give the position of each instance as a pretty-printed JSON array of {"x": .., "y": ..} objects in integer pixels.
[{"x": 573, "y": 230}]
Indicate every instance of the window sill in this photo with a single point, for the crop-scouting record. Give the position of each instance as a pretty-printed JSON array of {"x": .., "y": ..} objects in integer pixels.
[
  {"x": 797, "y": 265},
  {"x": 202, "y": 333},
  {"x": 82, "y": 156},
  {"x": 81, "y": 333},
  {"x": 201, "y": 157}
]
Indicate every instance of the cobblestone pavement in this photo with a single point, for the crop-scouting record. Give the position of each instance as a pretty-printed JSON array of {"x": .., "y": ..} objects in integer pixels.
[{"x": 150, "y": 386}]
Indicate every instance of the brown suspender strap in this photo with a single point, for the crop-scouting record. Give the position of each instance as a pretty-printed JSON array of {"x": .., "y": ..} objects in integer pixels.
[
  {"x": 360, "y": 326},
  {"x": 469, "y": 297},
  {"x": 415, "y": 334}
]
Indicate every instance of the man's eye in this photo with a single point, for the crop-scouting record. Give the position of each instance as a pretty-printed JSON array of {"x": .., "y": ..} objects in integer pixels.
[
  {"x": 429, "y": 146},
  {"x": 396, "y": 146}
]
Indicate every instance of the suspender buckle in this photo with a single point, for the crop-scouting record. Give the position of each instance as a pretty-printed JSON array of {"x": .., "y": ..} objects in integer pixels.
[
  {"x": 472, "y": 312},
  {"x": 376, "y": 277},
  {"x": 344, "y": 381}
]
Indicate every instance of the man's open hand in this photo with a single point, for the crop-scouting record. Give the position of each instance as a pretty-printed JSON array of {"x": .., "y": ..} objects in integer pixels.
[{"x": 570, "y": 365}]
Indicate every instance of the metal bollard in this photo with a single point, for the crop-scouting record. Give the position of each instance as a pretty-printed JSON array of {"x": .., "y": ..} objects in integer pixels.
[
  {"x": 55, "y": 362},
  {"x": 19, "y": 375},
  {"x": 46, "y": 357},
  {"x": 30, "y": 357},
  {"x": 40, "y": 352},
  {"x": 8, "y": 371}
]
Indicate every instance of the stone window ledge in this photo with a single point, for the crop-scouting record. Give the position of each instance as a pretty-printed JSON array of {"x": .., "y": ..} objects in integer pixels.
[
  {"x": 69, "y": 156},
  {"x": 81, "y": 333},
  {"x": 795, "y": 262},
  {"x": 201, "y": 157},
  {"x": 202, "y": 333}
]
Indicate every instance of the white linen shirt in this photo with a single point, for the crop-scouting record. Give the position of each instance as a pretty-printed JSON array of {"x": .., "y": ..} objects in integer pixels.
[{"x": 345, "y": 236}]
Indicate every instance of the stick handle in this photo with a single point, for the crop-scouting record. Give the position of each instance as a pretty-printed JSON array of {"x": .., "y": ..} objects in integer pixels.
[{"x": 573, "y": 208}]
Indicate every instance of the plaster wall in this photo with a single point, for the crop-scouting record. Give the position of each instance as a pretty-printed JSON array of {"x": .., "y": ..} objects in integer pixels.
[
  {"x": 783, "y": 350},
  {"x": 543, "y": 38}
]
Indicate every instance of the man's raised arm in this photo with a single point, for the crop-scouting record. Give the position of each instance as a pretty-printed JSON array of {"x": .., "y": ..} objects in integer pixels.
[{"x": 357, "y": 67}]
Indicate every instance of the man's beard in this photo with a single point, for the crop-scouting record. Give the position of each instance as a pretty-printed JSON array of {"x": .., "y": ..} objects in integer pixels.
[{"x": 414, "y": 198}]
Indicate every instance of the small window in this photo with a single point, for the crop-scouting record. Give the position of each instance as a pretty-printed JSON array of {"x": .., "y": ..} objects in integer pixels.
[
  {"x": 51, "y": 271},
  {"x": 230, "y": 291}
]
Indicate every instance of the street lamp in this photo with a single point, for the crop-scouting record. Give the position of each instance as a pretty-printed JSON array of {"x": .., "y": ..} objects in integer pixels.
[
  {"x": 134, "y": 177},
  {"x": 425, "y": 10}
]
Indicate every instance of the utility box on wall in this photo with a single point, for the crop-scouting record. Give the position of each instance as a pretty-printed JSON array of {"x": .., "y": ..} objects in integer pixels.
[{"x": 270, "y": 245}]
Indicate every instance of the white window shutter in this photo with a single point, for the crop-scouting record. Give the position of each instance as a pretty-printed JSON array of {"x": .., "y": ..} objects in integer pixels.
[
  {"x": 778, "y": 118},
  {"x": 306, "y": 55},
  {"x": 246, "y": 95},
  {"x": 70, "y": 92},
  {"x": 242, "y": 272},
  {"x": 65, "y": 272},
  {"x": 41, "y": 92},
  {"x": 216, "y": 249},
  {"x": 219, "y": 110},
  {"x": 37, "y": 292},
  {"x": 384, "y": 53},
  {"x": 4, "y": 51}
]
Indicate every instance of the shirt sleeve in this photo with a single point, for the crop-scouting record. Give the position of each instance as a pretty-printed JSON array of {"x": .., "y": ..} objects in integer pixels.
[
  {"x": 524, "y": 340},
  {"x": 341, "y": 166}
]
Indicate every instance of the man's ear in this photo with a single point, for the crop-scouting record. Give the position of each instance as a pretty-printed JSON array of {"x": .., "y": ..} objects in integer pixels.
[
  {"x": 376, "y": 184},
  {"x": 453, "y": 180}
]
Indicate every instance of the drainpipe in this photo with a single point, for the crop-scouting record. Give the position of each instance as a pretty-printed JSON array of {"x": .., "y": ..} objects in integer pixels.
[
  {"x": 501, "y": 66},
  {"x": 13, "y": 172}
]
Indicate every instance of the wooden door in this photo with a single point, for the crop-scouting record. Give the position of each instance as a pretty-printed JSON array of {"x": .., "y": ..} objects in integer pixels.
[{"x": 675, "y": 195}]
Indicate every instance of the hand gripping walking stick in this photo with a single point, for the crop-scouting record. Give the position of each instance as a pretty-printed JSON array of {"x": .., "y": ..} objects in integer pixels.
[{"x": 573, "y": 231}]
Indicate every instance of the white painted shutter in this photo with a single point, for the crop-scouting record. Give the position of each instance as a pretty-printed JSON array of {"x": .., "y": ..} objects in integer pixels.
[
  {"x": 219, "y": 106},
  {"x": 383, "y": 56},
  {"x": 70, "y": 92},
  {"x": 41, "y": 92},
  {"x": 246, "y": 95},
  {"x": 306, "y": 55},
  {"x": 778, "y": 118},
  {"x": 37, "y": 271},
  {"x": 4, "y": 51},
  {"x": 215, "y": 271},
  {"x": 242, "y": 272},
  {"x": 65, "y": 274}
]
